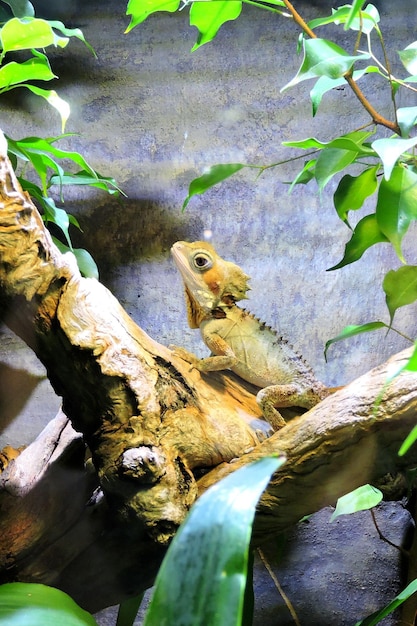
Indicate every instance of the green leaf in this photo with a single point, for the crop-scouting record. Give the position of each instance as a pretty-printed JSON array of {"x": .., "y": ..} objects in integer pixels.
[
  {"x": 128, "y": 610},
  {"x": 397, "y": 205},
  {"x": 400, "y": 288},
  {"x": 360, "y": 499},
  {"x": 352, "y": 141},
  {"x": 141, "y": 9},
  {"x": 216, "y": 174},
  {"x": 27, "y": 33},
  {"x": 21, "y": 8},
  {"x": 408, "y": 58},
  {"x": 352, "y": 191},
  {"x": 376, "y": 617},
  {"x": 97, "y": 181},
  {"x": 33, "y": 69},
  {"x": 85, "y": 261},
  {"x": 208, "y": 17},
  {"x": 366, "y": 234},
  {"x": 323, "y": 58},
  {"x": 305, "y": 175},
  {"x": 325, "y": 84},
  {"x": 351, "y": 331},
  {"x": 407, "y": 118},
  {"x": 209, "y": 588},
  {"x": 351, "y": 16},
  {"x": 390, "y": 150},
  {"x": 412, "y": 436},
  {"x": 330, "y": 162},
  {"x": 54, "y": 100},
  {"x": 30, "y": 604},
  {"x": 71, "y": 32}
]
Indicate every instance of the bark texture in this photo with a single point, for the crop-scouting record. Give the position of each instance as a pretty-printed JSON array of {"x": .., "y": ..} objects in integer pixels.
[{"x": 158, "y": 433}]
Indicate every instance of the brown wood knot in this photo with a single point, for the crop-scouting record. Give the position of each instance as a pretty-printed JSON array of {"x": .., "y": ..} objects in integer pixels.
[{"x": 145, "y": 464}]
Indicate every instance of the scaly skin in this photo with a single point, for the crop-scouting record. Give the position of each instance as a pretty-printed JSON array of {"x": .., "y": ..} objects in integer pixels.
[{"x": 238, "y": 340}]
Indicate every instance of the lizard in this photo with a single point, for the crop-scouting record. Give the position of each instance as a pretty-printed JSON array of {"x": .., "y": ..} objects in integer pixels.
[{"x": 237, "y": 339}]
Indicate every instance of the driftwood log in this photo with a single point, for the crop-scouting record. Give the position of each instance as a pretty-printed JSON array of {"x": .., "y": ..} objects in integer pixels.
[{"x": 157, "y": 433}]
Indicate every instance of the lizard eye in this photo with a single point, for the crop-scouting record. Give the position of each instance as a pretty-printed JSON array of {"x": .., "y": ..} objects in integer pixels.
[{"x": 202, "y": 261}]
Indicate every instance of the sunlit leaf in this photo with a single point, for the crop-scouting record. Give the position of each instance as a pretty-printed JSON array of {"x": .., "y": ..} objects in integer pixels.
[
  {"x": 52, "y": 99},
  {"x": 30, "y": 604},
  {"x": 33, "y": 69},
  {"x": 208, "y": 17},
  {"x": 407, "y": 118},
  {"x": 360, "y": 499},
  {"x": 390, "y": 150},
  {"x": 408, "y": 58},
  {"x": 400, "y": 288},
  {"x": 352, "y": 191},
  {"x": 352, "y": 141},
  {"x": 375, "y": 618},
  {"x": 323, "y": 58},
  {"x": 141, "y": 9},
  {"x": 216, "y": 174},
  {"x": 351, "y": 331},
  {"x": 27, "y": 33},
  {"x": 363, "y": 20},
  {"x": 210, "y": 589},
  {"x": 366, "y": 234},
  {"x": 397, "y": 205}
]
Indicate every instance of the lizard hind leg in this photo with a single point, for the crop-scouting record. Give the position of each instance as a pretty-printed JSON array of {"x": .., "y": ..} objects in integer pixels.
[{"x": 270, "y": 397}]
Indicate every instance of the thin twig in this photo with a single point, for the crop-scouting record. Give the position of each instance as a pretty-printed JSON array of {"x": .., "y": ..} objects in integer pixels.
[
  {"x": 381, "y": 536},
  {"x": 279, "y": 588}
]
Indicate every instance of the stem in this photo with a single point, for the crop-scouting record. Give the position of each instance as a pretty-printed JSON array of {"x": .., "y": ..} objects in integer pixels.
[{"x": 376, "y": 117}]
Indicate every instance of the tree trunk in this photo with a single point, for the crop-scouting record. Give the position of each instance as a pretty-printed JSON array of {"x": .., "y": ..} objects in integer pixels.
[{"x": 157, "y": 431}]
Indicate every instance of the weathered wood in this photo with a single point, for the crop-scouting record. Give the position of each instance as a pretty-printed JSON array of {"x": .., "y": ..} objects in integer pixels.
[{"x": 158, "y": 432}]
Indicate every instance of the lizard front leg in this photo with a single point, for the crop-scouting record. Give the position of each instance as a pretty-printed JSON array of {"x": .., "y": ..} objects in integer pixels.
[{"x": 222, "y": 357}]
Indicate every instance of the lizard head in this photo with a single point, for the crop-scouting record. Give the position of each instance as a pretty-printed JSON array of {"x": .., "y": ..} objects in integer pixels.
[{"x": 209, "y": 280}]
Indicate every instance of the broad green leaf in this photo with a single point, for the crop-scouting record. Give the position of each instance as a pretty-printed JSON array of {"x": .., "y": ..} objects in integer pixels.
[
  {"x": 33, "y": 69},
  {"x": 407, "y": 118},
  {"x": 360, "y": 499},
  {"x": 412, "y": 436},
  {"x": 323, "y": 58},
  {"x": 397, "y": 205},
  {"x": 203, "y": 575},
  {"x": 330, "y": 162},
  {"x": 52, "y": 99},
  {"x": 216, "y": 174},
  {"x": 141, "y": 9},
  {"x": 30, "y": 604},
  {"x": 27, "y": 33},
  {"x": 366, "y": 234},
  {"x": 208, "y": 17},
  {"x": 352, "y": 191},
  {"x": 390, "y": 151},
  {"x": 21, "y": 8},
  {"x": 408, "y": 58},
  {"x": 400, "y": 288},
  {"x": 376, "y": 617},
  {"x": 351, "y": 331},
  {"x": 85, "y": 261}
]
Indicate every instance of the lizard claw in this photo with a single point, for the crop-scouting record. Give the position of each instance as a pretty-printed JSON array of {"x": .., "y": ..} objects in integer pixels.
[{"x": 183, "y": 354}]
